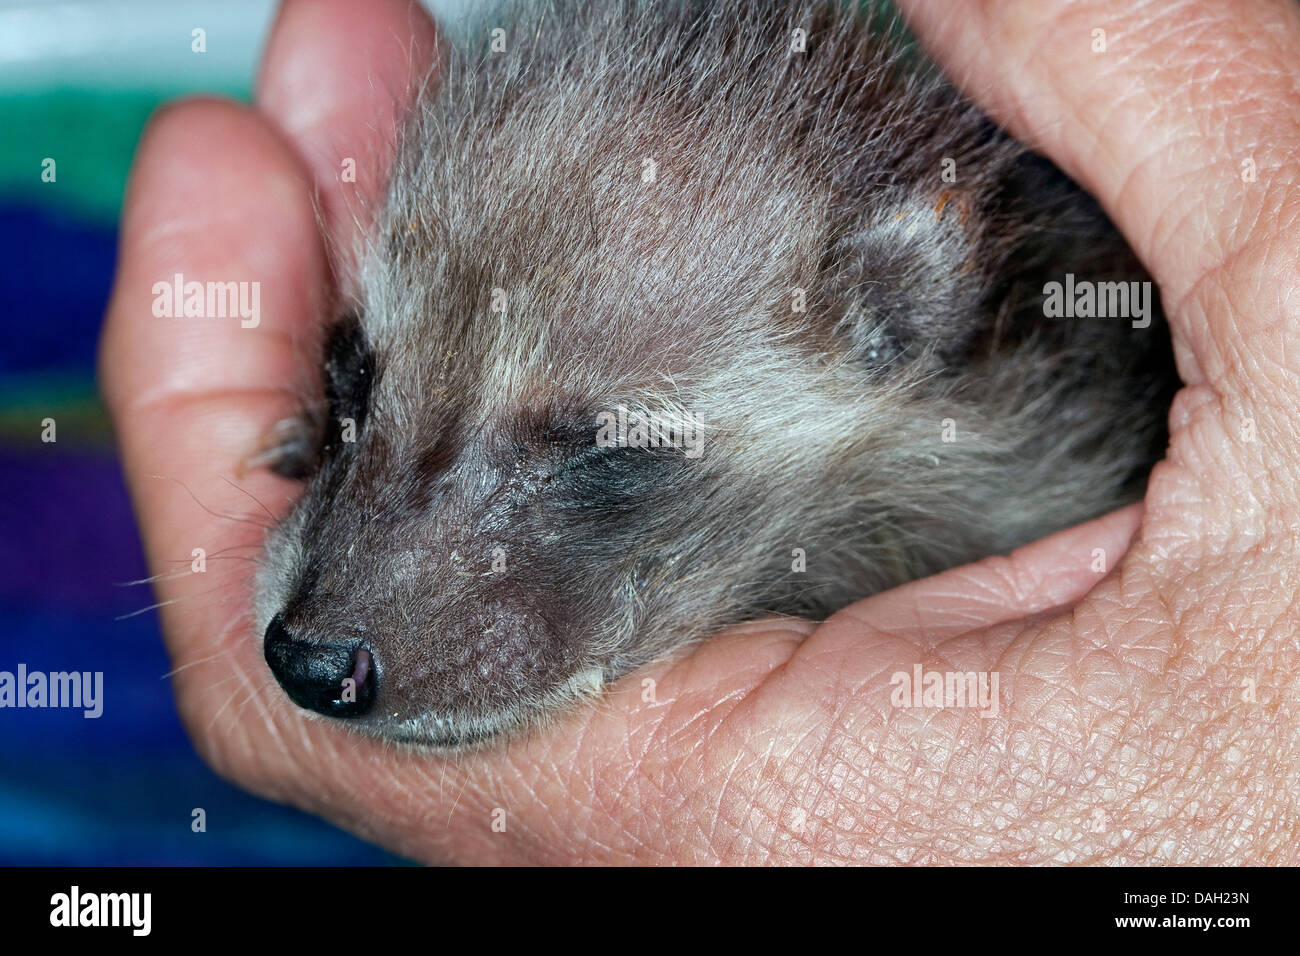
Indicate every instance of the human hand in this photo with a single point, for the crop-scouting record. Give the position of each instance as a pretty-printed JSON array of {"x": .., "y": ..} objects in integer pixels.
[{"x": 1154, "y": 720}]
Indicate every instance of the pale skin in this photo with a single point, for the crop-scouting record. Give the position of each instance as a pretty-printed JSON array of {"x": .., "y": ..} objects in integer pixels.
[{"x": 1149, "y": 714}]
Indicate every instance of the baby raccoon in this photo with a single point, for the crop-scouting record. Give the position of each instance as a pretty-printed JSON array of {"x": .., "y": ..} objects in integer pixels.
[{"x": 678, "y": 314}]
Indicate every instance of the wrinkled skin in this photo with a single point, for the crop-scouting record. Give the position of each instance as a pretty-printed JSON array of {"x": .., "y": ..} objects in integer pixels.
[{"x": 1148, "y": 717}]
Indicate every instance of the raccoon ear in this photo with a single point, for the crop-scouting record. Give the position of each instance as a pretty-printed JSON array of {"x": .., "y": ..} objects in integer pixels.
[{"x": 907, "y": 282}]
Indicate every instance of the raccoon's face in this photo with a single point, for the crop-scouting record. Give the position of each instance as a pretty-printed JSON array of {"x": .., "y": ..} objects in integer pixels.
[{"x": 523, "y": 486}]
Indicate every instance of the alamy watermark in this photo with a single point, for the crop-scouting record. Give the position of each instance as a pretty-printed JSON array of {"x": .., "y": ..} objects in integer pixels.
[
  {"x": 75, "y": 908},
  {"x": 941, "y": 690},
  {"x": 1084, "y": 299},
  {"x": 72, "y": 689},
  {"x": 208, "y": 300}
]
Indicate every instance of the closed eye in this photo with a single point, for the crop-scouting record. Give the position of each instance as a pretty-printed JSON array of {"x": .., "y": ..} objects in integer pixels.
[
  {"x": 616, "y": 476},
  {"x": 574, "y": 463},
  {"x": 564, "y": 452}
]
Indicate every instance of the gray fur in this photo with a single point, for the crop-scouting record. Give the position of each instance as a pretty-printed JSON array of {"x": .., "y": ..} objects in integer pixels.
[{"x": 774, "y": 171}]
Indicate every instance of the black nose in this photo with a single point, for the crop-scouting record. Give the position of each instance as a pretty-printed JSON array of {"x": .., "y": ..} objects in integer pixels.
[{"x": 336, "y": 679}]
